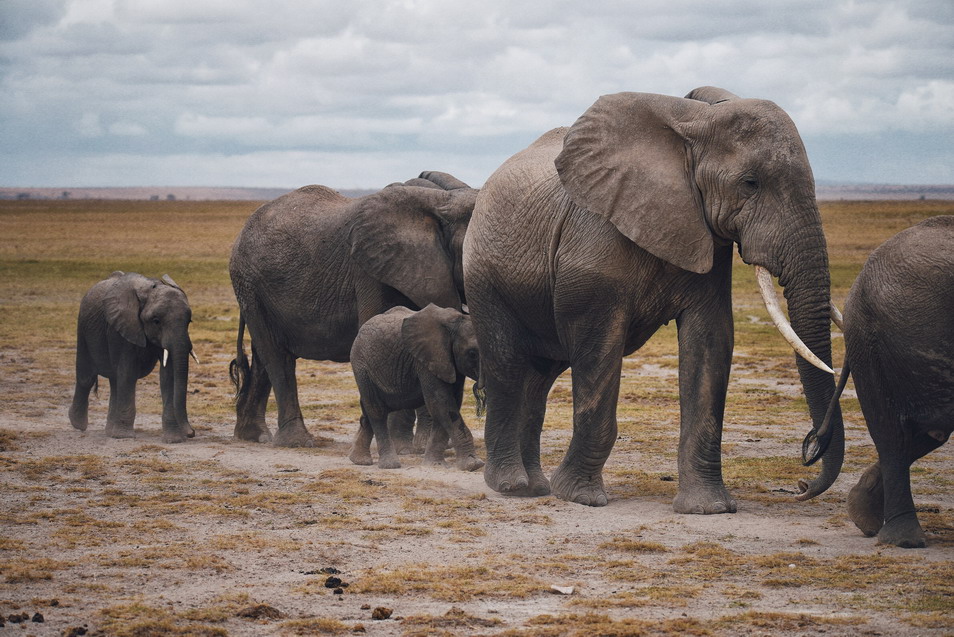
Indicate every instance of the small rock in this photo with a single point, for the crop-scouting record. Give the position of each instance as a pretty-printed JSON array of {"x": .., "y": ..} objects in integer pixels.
[
  {"x": 329, "y": 570},
  {"x": 666, "y": 478},
  {"x": 562, "y": 590},
  {"x": 381, "y": 612},
  {"x": 37, "y": 618},
  {"x": 333, "y": 582},
  {"x": 338, "y": 591},
  {"x": 75, "y": 631},
  {"x": 365, "y": 606},
  {"x": 358, "y": 628}
]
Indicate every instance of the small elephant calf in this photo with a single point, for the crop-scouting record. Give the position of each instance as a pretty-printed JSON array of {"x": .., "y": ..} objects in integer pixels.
[
  {"x": 126, "y": 324},
  {"x": 404, "y": 359}
]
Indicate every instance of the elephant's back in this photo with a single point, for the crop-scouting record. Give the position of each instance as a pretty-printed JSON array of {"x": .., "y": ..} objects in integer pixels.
[{"x": 899, "y": 314}]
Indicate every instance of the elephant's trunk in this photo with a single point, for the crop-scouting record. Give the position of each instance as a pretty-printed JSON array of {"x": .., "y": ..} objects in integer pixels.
[
  {"x": 806, "y": 281},
  {"x": 180, "y": 376}
]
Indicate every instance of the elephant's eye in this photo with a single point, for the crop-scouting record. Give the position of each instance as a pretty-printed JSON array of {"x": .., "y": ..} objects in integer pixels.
[
  {"x": 750, "y": 184},
  {"x": 156, "y": 321}
]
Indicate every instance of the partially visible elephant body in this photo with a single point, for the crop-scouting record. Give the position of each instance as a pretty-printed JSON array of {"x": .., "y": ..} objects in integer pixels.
[
  {"x": 899, "y": 340},
  {"x": 310, "y": 267},
  {"x": 585, "y": 243},
  {"x": 404, "y": 359},
  {"x": 126, "y": 324}
]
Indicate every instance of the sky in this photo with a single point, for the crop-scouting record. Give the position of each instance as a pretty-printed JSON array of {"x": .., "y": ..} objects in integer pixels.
[{"x": 362, "y": 93}]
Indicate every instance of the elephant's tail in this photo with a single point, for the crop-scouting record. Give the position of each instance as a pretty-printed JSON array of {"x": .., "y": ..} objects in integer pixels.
[{"x": 239, "y": 367}]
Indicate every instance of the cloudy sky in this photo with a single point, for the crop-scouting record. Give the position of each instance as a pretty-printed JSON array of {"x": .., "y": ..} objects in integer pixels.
[{"x": 360, "y": 93}]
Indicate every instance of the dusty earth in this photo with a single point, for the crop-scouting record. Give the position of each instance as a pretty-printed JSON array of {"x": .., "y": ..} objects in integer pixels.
[{"x": 216, "y": 536}]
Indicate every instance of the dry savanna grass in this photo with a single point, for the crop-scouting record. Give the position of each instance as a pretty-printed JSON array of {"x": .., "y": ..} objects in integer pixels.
[{"x": 220, "y": 537}]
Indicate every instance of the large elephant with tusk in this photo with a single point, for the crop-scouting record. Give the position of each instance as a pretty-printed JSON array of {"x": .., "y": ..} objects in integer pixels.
[
  {"x": 582, "y": 245},
  {"x": 127, "y": 323}
]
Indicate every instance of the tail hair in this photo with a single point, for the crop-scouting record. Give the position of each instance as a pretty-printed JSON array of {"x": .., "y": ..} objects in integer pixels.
[{"x": 239, "y": 369}]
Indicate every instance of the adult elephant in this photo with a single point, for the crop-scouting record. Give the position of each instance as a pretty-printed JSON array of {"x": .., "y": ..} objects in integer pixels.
[
  {"x": 588, "y": 241},
  {"x": 899, "y": 346},
  {"x": 311, "y": 266}
]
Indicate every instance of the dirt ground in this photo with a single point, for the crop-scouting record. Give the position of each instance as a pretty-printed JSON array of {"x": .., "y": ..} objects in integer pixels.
[{"x": 215, "y": 536}]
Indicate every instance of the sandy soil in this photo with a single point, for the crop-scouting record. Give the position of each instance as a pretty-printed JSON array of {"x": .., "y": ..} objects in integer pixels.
[{"x": 216, "y": 536}]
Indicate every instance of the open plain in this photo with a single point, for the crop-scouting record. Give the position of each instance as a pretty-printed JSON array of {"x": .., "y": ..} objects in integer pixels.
[{"x": 221, "y": 537}]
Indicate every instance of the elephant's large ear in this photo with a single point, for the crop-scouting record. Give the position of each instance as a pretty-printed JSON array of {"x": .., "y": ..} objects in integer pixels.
[
  {"x": 396, "y": 238},
  {"x": 427, "y": 337},
  {"x": 626, "y": 159},
  {"x": 122, "y": 304}
]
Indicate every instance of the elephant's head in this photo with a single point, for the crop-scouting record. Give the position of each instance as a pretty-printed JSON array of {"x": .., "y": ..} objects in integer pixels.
[
  {"x": 152, "y": 313},
  {"x": 444, "y": 341},
  {"x": 679, "y": 176},
  {"x": 410, "y": 237}
]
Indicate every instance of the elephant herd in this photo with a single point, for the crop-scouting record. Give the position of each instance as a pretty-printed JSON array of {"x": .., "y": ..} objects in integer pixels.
[{"x": 571, "y": 255}]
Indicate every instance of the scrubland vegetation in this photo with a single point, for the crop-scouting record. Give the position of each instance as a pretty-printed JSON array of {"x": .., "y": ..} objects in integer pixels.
[{"x": 216, "y": 537}]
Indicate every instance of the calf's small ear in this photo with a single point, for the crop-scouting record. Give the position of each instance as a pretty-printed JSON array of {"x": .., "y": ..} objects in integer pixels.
[{"x": 428, "y": 340}]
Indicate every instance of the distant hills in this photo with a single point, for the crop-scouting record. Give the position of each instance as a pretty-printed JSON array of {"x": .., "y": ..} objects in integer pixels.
[{"x": 826, "y": 191}]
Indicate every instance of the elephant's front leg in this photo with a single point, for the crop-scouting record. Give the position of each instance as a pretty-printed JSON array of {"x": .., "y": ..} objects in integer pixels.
[
  {"x": 443, "y": 402},
  {"x": 705, "y": 357},
  {"x": 171, "y": 431},
  {"x": 579, "y": 478}
]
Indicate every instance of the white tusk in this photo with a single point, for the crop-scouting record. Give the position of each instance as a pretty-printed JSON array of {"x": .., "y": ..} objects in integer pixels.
[
  {"x": 165, "y": 357},
  {"x": 194, "y": 357},
  {"x": 837, "y": 318},
  {"x": 770, "y": 298}
]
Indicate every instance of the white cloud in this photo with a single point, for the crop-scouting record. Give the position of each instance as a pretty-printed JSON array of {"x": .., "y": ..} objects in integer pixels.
[{"x": 445, "y": 78}]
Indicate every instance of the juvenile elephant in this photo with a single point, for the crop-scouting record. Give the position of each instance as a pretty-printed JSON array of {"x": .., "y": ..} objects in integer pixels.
[
  {"x": 899, "y": 347},
  {"x": 585, "y": 243},
  {"x": 126, "y": 324},
  {"x": 404, "y": 359},
  {"x": 311, "y": 266}
]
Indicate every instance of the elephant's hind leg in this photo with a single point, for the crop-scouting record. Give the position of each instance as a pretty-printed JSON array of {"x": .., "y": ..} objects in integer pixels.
[
  {"x": 866, "y": 501},
  {"x": 251, "y": 402},
  {"x": 515, "y": 408},
  {"x": 579, "y": 478},
  {"x": 361, "y": 447},
  {"x": 122, "y": 406},
  {"x": 85, "y": 381},
  {"x": 901, "y": 525}
]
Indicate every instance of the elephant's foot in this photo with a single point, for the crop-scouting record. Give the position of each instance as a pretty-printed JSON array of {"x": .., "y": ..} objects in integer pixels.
[
  {"x": 569, "y": 485},
  {"x": 252, "y": 432},
  {"x": 293, "y": 434},
  {"x": 434, "y": 457},
  {"x": 79, "y": 419},
  {"x": 389, "y": 461},
  {"x": 114, "y": 430},
  {"x": 904, "y": 531},
  {"x": 866, "y": 501},
  {"x": 173, "y": 437},
  {"x": 469, "y": 462},
  {"x": 361, "y": 456},
  {"x": 704, "y": 500},
  {"x": 509, "y": 479}
]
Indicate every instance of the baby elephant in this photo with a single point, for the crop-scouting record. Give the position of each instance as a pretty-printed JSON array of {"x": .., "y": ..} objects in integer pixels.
[
  {"x": 404, "y": 360},
  {"x": 126, "y": 323},
  {"x": 899, "y": 347}
]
